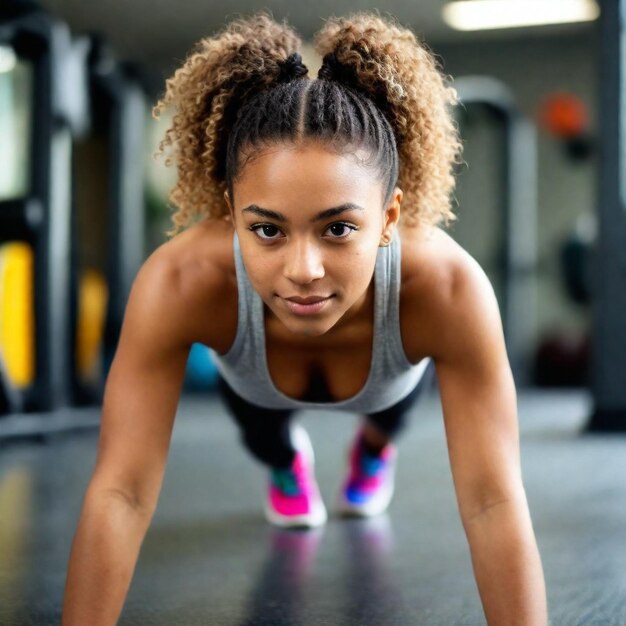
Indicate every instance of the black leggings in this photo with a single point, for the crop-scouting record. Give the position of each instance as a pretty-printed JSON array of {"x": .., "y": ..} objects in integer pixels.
[{"x": 265, "y": 432}]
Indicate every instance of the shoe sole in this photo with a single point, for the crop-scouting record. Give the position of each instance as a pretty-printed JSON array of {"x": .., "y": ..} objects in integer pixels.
[
  {"x": 319, "y": 515},
  {"x": 311, "y": 520}
]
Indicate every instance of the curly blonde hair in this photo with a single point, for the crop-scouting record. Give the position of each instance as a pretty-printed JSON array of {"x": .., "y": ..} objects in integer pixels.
[{"x": 245, "y": 87}]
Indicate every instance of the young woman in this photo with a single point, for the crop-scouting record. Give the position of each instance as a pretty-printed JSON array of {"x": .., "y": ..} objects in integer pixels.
[{"x": 312, "y": 264}]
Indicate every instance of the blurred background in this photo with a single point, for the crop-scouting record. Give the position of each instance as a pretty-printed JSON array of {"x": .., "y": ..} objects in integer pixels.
[
  {"x": 541, "y": 206},
  {"x": 83, "y": 201}
]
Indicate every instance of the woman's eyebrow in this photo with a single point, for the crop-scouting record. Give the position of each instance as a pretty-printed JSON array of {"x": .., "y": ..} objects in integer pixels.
[{"x": 279, "y": 217}]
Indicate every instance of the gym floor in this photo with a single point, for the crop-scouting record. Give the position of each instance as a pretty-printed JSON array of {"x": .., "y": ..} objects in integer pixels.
[{"x": 210, "y": 558}]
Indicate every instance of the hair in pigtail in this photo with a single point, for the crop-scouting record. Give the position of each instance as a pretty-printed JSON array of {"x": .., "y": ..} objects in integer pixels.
[
  {"x": 385, "y": 61},
  {"x": 220, "y": 75}
]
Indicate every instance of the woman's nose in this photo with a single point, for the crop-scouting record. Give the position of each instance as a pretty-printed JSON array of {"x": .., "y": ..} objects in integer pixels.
[{"x": 303, "y": 262}]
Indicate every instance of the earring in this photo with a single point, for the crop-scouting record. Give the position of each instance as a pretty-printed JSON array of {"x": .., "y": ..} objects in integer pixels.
[{"x": 384, "y": 242}]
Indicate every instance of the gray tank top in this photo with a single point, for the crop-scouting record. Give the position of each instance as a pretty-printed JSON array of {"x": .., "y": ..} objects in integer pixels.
[{"x": 391, "y": 377}]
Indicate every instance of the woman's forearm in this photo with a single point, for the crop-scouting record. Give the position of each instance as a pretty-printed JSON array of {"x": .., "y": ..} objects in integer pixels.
[
  {"x": 103, "y": 557},
  {"x": 507, "y": 565}
]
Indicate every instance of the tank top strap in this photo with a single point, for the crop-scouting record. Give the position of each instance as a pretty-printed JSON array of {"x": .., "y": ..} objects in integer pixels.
[{"x": 392, "y": 285}]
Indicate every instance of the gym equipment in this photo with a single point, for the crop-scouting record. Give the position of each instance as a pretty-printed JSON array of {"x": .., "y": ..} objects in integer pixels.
[
  {"x": 518, "y": 248},
  {"x": 16, "y": 313},
  {"x": 564, "y": 115},
  {"x": 76, "y": 313},
  {"x": 117, "y": 120},
  {"x": 42, "y": 218},
  {"x": 562, "y": 360},
  {"x": 201, "y": 373},
  {"x": 92, "y": 305},
  {"x": 576, "y": 268},
  {"x": 17, "y": 318},
  {"x": 120, "y": 107},
  {"x": 609, "y": 279}
]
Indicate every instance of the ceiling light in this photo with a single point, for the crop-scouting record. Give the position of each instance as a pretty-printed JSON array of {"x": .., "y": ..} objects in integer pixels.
[{"x": 492, "y": 14}]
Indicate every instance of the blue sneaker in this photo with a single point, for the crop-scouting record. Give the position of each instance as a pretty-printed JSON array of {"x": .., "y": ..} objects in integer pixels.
[{"x": 369, "y": 486}]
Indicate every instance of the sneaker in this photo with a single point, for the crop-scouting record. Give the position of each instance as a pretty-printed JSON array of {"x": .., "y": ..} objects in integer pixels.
[
  {"x": 293, "y": 498},
  {"x": 369, "y": 486}
]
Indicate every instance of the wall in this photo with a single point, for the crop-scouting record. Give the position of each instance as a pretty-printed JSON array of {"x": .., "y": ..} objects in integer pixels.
[{"x": 532, "y": 68}]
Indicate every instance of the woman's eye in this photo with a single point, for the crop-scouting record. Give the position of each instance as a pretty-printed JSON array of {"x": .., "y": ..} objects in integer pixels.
[
  {"x": 265, "y": 231},
  {"x": 340, "y": 230}
]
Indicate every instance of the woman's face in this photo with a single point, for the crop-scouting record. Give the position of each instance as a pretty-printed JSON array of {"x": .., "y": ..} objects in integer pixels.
[{"x": 310, "y": 223}]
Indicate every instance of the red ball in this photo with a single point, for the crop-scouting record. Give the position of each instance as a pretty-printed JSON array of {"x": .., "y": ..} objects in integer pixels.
[{"x": 564, "y": 115}]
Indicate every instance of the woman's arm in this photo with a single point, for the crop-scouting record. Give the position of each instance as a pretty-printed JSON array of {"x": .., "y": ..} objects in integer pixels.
[
  {"x": 480, "y": 414},
  {"x": 141, "y": 396}
]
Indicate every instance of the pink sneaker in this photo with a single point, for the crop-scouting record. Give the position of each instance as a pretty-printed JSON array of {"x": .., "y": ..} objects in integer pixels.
[
  {"x": 369, "y": 486},
  {"x": 294, "y": 499}
]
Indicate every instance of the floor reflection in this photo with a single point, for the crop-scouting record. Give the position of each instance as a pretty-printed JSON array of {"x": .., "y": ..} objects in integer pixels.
[
  {"x": 15, "y": 515},
  {"x": 286, "y": 580}
]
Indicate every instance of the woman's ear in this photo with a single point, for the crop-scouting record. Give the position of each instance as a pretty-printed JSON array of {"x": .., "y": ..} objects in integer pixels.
[
  {"x": 391, "y": 217},
  {"x": 230, "y": 206}
]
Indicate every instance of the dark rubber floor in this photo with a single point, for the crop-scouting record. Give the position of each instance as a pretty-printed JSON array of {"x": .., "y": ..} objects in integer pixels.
[{"x": 210, "y": 558}]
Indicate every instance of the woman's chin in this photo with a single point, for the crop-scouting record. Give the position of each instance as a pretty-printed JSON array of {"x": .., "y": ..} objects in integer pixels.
[{"x": 307, "y": 328}]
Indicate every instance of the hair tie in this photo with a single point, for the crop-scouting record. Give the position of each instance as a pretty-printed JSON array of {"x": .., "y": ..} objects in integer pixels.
[
  {"x": 333, "y": 69},
  {"x": 292, "y": 68}
]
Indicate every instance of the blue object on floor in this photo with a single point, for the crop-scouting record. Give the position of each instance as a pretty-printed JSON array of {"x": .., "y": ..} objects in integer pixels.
[{"x": 201, "y": 373}]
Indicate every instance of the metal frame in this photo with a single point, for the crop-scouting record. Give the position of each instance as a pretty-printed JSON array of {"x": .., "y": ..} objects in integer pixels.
[
  {"x": 126, "y": 104},
  {"x": 519, "y": 214},
  {"x": 608, "y": 383},
  {"x": 44, "y": 218},
  {"x": 121, "y": 109}
]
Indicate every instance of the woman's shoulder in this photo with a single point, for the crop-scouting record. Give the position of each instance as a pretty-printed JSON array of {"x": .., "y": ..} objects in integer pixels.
[
  {"x": 207, "y": 242},
  {"x": 431, "y": 260},
  {"x": 440, "y": 280},
  {"x": 194, "y": 273}
]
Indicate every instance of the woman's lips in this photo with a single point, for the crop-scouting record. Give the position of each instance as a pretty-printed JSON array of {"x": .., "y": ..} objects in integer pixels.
[{"x": 306, "y": 306}]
